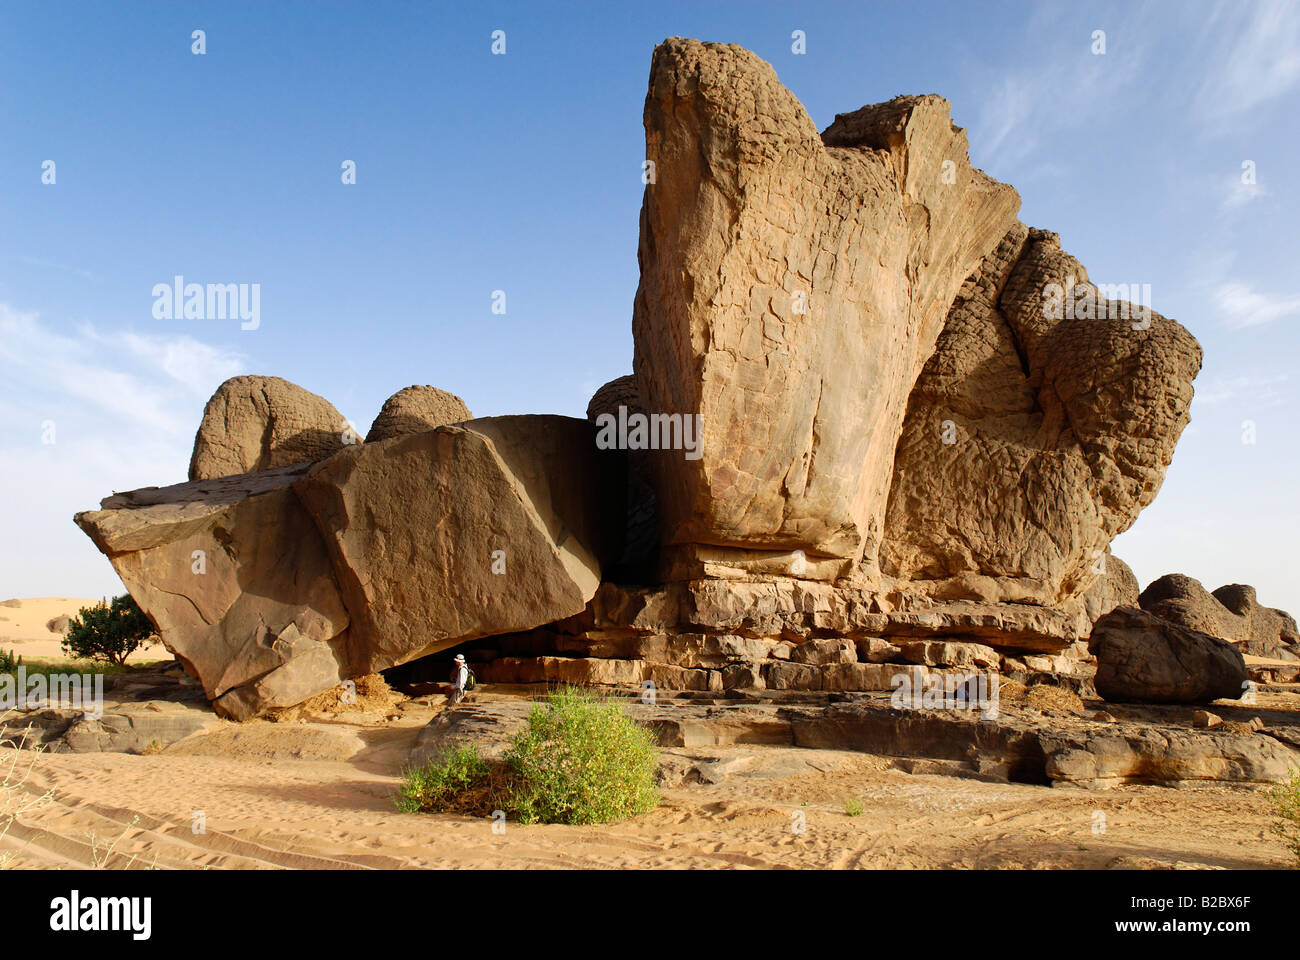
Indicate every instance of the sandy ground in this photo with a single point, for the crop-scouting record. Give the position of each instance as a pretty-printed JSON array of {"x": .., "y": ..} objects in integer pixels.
[
  {"x": 318, "y": 794},
  {"x": 24, "y": 628}
]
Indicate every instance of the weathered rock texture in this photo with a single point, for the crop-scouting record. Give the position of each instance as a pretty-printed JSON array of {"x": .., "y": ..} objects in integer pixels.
[
  {"x": 237, "y": 580},
  {"x": 1141, "y": 657},
  {"x": 1031, "y": 442},
  {"x": 429, "y": 540},
  {"x": 1116, "y": 587},
  {"x": 259, "y": 423},
  {"x": 417, "y": 409},
  {"x": 1231, "y": 612},
  {"x": 907, "y": 460},
  {"x": 792, "y": 286},
  {"x": 490, "y": 526}
]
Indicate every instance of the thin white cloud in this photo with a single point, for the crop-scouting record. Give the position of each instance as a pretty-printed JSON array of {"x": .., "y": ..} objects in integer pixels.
[
  {"x": 1063, "y": 86},
  {"x": 1238, "y": 194},
  {"x": 1251, "y": 55},
  {"x": 112, "y": 374},
  {"x": 84, "y": 414},
  {"x": 1256, "y": 391},
  {"x": 1241, "y": 305}
]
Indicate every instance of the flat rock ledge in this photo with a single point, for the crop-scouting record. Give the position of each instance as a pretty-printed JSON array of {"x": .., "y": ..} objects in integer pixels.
[{"x": 1017, "y": 744}]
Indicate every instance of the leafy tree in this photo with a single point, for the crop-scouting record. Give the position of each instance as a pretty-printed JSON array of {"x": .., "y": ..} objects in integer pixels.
[{"x": 108, "y": 631}]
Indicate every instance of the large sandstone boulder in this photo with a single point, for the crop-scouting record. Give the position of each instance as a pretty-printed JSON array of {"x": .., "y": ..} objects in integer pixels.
[
  {"x": 1141, "y": 657},
  {"x": 259, "y": 423},
  {"x": 272, "y": 587},
  {"x": 491, "y": 526},
  {"x": 792, "y": 286},
  {"x": 1232, "y": 613},
  {"x": 235, "y": 577},
  {"x": 1031, "y": 441},
  {"x": 415, "y": 410}
]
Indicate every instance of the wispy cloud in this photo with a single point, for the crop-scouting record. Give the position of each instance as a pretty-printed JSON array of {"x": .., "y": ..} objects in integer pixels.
[
  {"x": 83, "y": 413},
  {"x": 1238, "y": 194},
  {"x": 1256, "y": 391},
  {"x": 1241, "y": 305},
  {"x": 113, "y": 374},
  {"x": 1054, "y": 93},
  {"x": 1250, "y": 54}
]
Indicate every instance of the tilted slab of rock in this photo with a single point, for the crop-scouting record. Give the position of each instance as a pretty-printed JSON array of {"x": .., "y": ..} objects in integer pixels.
[
  {"x": 1040, "y": 427},
  {"x": 237, "y": 580},
  {"x": 792, "y": 286},
  {"x": 1142, "y": 658},
  {"x": 486, "y": 527},
  {"x": 416, "y": 409},
  {"x": 258, "y": 423},
  {"x": 1231, "y": 612}
]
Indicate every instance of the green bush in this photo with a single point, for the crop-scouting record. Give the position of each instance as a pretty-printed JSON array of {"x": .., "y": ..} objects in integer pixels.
[
  {"x": 436, "y": 784},
  {"x": 108, "y": 631},
  {"x": 1286, "y": 802},
  {"x": 578, "y": 760},
  {"x": 8, "y": 662},
  {"x": 581, "y": 760}
]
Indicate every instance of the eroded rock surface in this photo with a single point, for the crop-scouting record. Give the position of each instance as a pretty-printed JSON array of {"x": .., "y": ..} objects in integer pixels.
[
  {"x": 415, "y": 410},
  {"x": 1232, "y": 612},
  {"x": 237, "y": 580},
  {"x": 486, "y": 527},
  {"x": 1142, "y": 658},
  {"x": 1032, "y": 440},
  {"x": 792, "y": 286},
  {"x": 255, "y": 423}
]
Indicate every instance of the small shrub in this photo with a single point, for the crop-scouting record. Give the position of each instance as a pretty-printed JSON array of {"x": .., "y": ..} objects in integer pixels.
[
  {"x": 8, "y": 662},
  {"x": 853, "y": 807},
  {"x": 440, "y": 783},
  {"x": 108, "y": 631},
  {"x": 1286, "y": 804},
  {"x": 581, "y": 760},
  {"x": 578, "y": 760}
]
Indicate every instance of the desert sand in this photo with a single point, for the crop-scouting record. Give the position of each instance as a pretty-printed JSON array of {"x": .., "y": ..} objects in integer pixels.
[
  {"x": 319, "y": 795},
  {"x": 24, "y": 628}
]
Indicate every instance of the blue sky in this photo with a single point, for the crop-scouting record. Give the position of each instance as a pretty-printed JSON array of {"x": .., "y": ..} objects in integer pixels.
[{"x": 521, "y": 173}]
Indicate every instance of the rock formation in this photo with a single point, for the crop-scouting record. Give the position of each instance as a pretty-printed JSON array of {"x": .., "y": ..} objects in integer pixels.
[
  {"x": 490, "y": 526},
  {"x": 272, "y": 587},
  {"x": 259, "y": 423},
  {"x": 1062, "y": 426},
  {"x": 1231, "y": 613},
  {"x": 415, "y": 410},
  {"x": 792, "y": 286},
  {"x": 1143, "y": 658},
  {"x": 921, "y": 425},
  {"x": 236, "y": 578},
  {"x": 639, "y": 560}
]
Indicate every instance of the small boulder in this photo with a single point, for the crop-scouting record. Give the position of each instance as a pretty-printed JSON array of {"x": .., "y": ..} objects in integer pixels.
[
  {"x": 417, "y": 409},
  {"x": 259, "y": 423}
]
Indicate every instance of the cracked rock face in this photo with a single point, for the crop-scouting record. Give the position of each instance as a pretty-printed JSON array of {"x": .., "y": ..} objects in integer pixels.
[
  {"x": 272, "y": 587},
  {"x": 486, "y": 527},
  {"x": 260, "y": 423},
  {"x": 1031, "y": 441},
  {"x": 792, "y": 287},
  {"x": 236, "y": 578}
]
